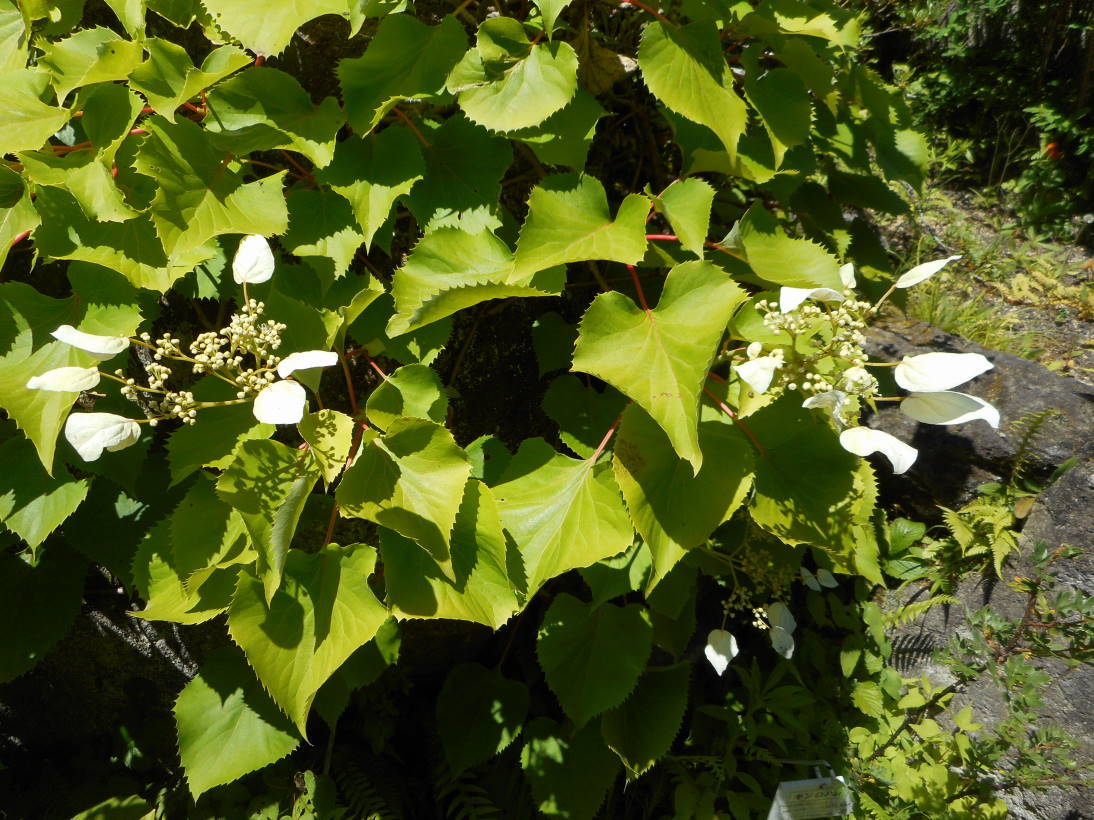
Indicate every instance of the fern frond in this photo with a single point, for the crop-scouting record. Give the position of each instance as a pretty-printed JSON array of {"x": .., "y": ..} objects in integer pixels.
[
  {"x": 1027, "y": 429},
  {"x": 917, "y": 609}
]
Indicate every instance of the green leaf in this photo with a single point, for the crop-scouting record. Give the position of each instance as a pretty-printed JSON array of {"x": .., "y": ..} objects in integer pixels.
[
  {"x": 462, "y": 182},
  {"x": 330, "y": 435},
  {"x": 660, "y": 357},
  {"x": 269, "y": 482},
  {"x": 422, "y": 346},
  {"x": 372, "y": 173},
  {"x": 506, "y": 83},
  {"x": 549, "y": 10},
  {"x": 592, "y": 655},
  {"x": 867, "y": 698},
  {"x": 618, "y": 575},
  {"x": 451, "y": 269},
  {"x": 13, "y": 39},
  {"x": 94, "y": 55},
  {"x": 227, "y": 726},
  {"x": 479, "y": 713},
  {"x": 322, "y": 231},
  {"x": 37, "y": 606},
  {"x": 170, "y": 593},
  {"x": 564, "y": 137},
  {"x": 103, "y": 303},
  {"x": 205, "y": 532},
  {"x": 569, "y": 221},
  {"x": 322, "y": 612},
  {"x": 684, "y": 68},
  {"x": 406, "y": 58},
  {"x": 192, "y": 447},
  {"x": 562, "y": 513},
  {"x": 131, "y": 15},
  {"x": 263, "y": 108},
  {"x": 784, "y": 105},
  {"x": 118, "y": 808},
  {"x": 131, "y": 247},
  {"x": 168, "y": 78},
  {"x": 17, "y": 213},
  {"x": 197, "y": 197},
  {"x": 583, "y": 413},
  {"x": 361, "y": 668},
  {"x": 410, "y": 480},
  {"x": 780, "y": 259},
  {"x": 641, "y": 731},
  {"x": 570, "y": 772},
  {"x": 673, "y": 509},
  {"x": 32, "y": 505},
  {"x": 686, "y": 203},
  {"x": 413, "y": 391},
  {"x": 28, "y": 122},
  {"x": 267, "y": 27},
  {"x": 553, "y": 338},
  {"x": 109, "y": 112},
  {"x": 805, "y": 481},
  {"x": 481, "y": 592}
]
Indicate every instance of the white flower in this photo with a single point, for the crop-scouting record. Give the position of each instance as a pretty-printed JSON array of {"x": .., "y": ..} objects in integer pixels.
[
  {"x": 847, "y": 275},
  {"x": 790, "y": 298},
  {"x": 823, "y": 578},
  {"x": 932, "y": 372},
  {"x": 758, "y": 373},
  {"x": 65, "y": 380},
  {"x": 280, "y": 403},
  {"x": 754, "y": 350},
  {"x": 830, "y": 400},
  {"x": 862, "y": 441},
  {"x": 91, "y": 433},
  {"x": 782, "y": 628},
  {"x": 254, "y": 261},
  {"x": 305, "y": 361},
  {"x": 101, "y": 347},
  {"x": 922, "y": 272},
  {"x": 948, "y": 407},
  {"x": 721, "y": 648}
]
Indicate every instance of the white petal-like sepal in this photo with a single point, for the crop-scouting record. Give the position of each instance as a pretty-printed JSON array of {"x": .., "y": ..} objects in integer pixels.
[
  {"x": 809, "y": 579},
  {"x": 721, "y": 648},
  {"x": 778, "y": 615},
  {"x": 847, "y": 275},
  {"x": 758, "y": 373},
  {"x": 305, "y": 361},
  {"x": 782, "y": 642},
  {"x": 932, "y": 372},
  {"x": 831, "y": 400},
  {"x": 827, "y": 579},
  {"x": 948, "y": 407},
  {"x": 254, "y": 261},
  {"x": 280, "y": 403},
  {"x": 101, "y": 347},
  {"x": 790, "y": 298},
  {"x": 922, "y": 272},
  {"x": 862, "y": 441},
  {"x": 91, "y": 433},
  {"x": 65, "y": 380}
]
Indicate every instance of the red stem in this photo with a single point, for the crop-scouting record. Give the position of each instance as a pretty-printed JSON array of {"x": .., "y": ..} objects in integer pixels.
[
  {"x": 647, "y": 9},
  {"x": 349, "y": 383},
  {"x": 411, "y": 125},
  {"x": 725, "y": 408},
  {"x": 19, "y": 237},
  {"x": 604, "y": 441},
  {"x": 638, "y": 287}
]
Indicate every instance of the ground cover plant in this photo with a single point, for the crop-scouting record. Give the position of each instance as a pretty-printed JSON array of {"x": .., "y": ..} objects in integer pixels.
[{"x": 466, "y": 401}]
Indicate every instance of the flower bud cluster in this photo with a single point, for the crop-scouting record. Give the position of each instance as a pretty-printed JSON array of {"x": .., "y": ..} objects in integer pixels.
[{"x": 228, "y": 349}]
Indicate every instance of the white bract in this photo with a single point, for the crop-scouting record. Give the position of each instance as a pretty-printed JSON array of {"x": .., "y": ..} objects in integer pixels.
[
  {"x": 847, "y": 275},
  {"x": 782, "y": 628},
  {"x": 721, "y": 648},
  {"x": 923, "y": 272},
  {"x": 932, "y": 372},
  {"x": 758, "y": 371},
  {"x": 281, "y": 403},
  {"x": 65, "y": 380},
  {"x": 948, "y": 407},
  {"x": 101, "y": 347},
  {"x": 823, "y": 578},
  {"x": 790, "y": 298},
  {"x": 830, "y": 400},
  {"x": 284, "y": 402},
  {"x": 253, "y": 262},
  {"x": 862, "y": 441},
  {"x": 305, "y": 361},
  {"x": 91, "y": 433}
]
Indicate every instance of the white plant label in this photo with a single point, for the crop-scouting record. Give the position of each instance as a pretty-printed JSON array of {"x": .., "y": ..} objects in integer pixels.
[{"x": 804, "y": 799}]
